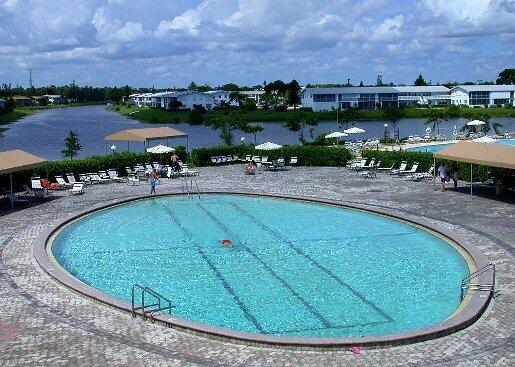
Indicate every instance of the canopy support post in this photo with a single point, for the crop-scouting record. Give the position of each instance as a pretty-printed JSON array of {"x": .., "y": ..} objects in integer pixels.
[
  {"x": 128, "y": 145},
  {"x": 12, "y": 193},
  {"x": 471, "y": 179},
  {"x": 187, "y": 140},
  {"x": 106, "y": 147},
  {"x": 434, "y": 173}
]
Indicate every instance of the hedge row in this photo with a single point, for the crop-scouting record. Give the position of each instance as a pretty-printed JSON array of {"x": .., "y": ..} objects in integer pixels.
[
  {"x": 307, "y": 155},
  {"x": 117, "y": 161},
  {"x": 425, "y": 160}
]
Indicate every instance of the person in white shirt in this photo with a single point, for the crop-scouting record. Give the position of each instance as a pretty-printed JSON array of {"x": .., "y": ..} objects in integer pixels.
[{"x": 442, "y": 172}]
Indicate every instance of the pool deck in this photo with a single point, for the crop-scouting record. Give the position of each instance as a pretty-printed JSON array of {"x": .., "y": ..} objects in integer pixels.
[{"x": 44, "y": 323}]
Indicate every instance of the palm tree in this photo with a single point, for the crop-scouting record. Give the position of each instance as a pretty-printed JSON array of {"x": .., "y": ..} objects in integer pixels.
[{"x": 434, "y": 120}]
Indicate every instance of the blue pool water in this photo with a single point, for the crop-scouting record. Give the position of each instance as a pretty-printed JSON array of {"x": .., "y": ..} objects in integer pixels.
[
  {"x": 296, "y": 268},
  {"x": 437, "y": 147}
]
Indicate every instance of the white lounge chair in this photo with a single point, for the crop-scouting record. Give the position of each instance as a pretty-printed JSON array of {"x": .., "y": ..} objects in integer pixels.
[
  {"x": 293, "y": 161},
  {"x": 412, "y": 170},
  {"x": 61, "y": 181},
  {"x": 77, "y": 189},
  {"x": 402, "y": 167},
  {"x": 422, "y": 175},
  {"x": 370, "y": 164},
  {"x": 356, "y": 166},
  {"x": 95, "y": 178},
  {"x": 385, "y": 169},
  {"x": 113, "y": 175},
  {"x": 85, "y": 179},
  {"x": 185, "y": 171},
  {"x": 71, "y": 178}
]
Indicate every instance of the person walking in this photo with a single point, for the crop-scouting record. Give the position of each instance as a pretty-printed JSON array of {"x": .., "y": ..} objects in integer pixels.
[
  {"x": 455, "y": 176},
  {"x": 153, "y": 178},
  {"x": 442, "y": 172}
]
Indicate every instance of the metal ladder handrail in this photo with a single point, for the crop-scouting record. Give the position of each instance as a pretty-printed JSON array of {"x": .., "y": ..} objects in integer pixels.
[
  {"x": 466, "y": 282},
  {"x": 188, "y": 188},
  {"x": 152, "y": 310}
]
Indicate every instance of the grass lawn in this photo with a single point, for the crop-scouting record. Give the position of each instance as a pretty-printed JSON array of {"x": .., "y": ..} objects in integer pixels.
[{"x": 17, "y": 114}]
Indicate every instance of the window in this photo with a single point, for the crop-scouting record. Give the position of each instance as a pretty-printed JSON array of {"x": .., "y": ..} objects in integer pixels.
[
  {"x": 324, "y": 97},
  {"x": 367, "y": 97},
  {"x": 479, "y": 98}
]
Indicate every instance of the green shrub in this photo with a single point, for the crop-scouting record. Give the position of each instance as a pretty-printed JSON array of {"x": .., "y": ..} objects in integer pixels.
[
  {"x": 425, "y": 160},
  {"x": 195, "y": 117},
  {"x": 307, "y": 155}
]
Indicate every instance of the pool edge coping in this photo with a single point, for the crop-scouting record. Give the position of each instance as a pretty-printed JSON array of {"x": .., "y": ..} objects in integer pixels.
[{"x": 465, "y": 315}]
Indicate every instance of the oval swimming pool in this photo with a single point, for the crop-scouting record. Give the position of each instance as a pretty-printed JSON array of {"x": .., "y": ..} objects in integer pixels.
[{"x": 296, "y": 268}]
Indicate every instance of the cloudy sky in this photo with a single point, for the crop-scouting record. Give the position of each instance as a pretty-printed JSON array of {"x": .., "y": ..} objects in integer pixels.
[{"x": 172, "y": 42}]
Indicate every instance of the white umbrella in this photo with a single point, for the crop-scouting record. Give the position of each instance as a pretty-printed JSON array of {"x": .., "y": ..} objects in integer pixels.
[
  {"x": 475, "y": 123},
  {"x": 336, "y": 134},
  {"x": 485, "y": 139},
  {"x": 354, "y": 130},
  {"x": 268, "y": 146},
  {"x": 160, "y": 149}
]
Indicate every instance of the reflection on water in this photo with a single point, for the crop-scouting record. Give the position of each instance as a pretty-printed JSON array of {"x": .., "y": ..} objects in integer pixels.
[{"x": 43, "y": 133}]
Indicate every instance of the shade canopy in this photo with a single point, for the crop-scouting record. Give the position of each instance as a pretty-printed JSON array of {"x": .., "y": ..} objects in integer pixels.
[
  {"x": 146, "y": 134},
  {"x": 18, "y": 160},
  {"x": 336, "y": 134},
  {"x": 268, "y": 146},
  {"x": 475, "y": 123},
  {"x": 493, "y": 155},
  {"x": 160, "y": 149},
  {"x": 354, "y": 130}
]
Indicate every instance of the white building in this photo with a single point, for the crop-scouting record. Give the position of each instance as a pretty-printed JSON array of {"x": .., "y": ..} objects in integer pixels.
[
  {"x": 54, "y": 98},
  {"x": 430, "y": 95},
  {"x": 483, "y": 95},
  {"x": 220, "y": 96},
  {"x": 256, "y": 95},
  {"x": 163, "y": 99}
]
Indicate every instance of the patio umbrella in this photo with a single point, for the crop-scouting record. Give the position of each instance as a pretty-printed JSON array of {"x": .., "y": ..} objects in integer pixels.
[
  {"x": 475, "y": 123},
  {"x": 160, "y": 149},
  {"x": 354, "y": 130},
  {"x": 336, "y": 134},
  {"x": 268, "y": 146}
]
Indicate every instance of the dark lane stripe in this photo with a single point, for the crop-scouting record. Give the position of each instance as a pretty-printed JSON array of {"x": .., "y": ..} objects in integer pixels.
[
  {"x": 217, "y": 272},
  {"x": 340, "y": 281},
  {"x": 306, "y": 304}
]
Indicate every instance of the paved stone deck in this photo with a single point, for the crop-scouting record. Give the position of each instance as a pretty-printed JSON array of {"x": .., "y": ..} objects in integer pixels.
[{"x": 43, "y": 323}]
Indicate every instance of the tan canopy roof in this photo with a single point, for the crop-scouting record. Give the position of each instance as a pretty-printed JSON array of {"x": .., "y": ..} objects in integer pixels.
[
  {"x": 152, "y": 133},
  {"x": 494, "y": 155},
  {"x": 18, "y": 160}
]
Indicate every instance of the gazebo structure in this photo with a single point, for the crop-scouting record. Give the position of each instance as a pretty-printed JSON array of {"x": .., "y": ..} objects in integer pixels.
[
  {"x": 485, "y": 154},
  {"x": 18, "y": 160},
  {"x": 146, "y": 135}
]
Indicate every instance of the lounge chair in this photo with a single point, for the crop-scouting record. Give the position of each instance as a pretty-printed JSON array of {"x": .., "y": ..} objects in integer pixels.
[
  {"x": 185, "y": 171},
  {"x": 421, "y": 175},
  {"x": 385, "y": 169},
  {"x": 356, "y": 166},
  {"x": 61, "y": 181},
  {"x": 77, "y": 189},
  {"x": 370, "y": 165},
  {"x": 214, "y": 160},
  {"x": 293, "y": 161},
  {"x": 16, "y": 200},
  {"x": 369, "y": 174},
  {"x": 95, "y": 178},
  {"x": 113, "y": 175},
  {"x": 104, "y": 175},
  {"x": 248, "y": 158},
  {"x": 133, "y": 179},
  {"x": 412, "y": 170},
  {"x": 402, "y": 167},
  {"x": 37, "y": 190},
  {"x": 71, "y": 178},
  {"x": 85, "y": 179}
]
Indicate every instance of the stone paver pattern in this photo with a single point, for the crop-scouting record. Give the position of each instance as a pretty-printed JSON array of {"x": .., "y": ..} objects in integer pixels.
[{"x": 43, "y": 323}]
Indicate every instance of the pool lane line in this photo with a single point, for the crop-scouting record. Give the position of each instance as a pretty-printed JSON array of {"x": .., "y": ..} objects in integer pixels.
[
  {"x": 263, "y": 263},
  {"x": 340, "y": 281},
  {"x": 336, "y": 327},
  {"x": 217, "y": 272}
]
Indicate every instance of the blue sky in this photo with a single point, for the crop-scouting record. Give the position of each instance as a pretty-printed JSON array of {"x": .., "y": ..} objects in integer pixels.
[{"x": 170, "y": 43}]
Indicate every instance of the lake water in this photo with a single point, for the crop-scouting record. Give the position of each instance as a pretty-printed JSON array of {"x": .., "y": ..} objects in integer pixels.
[{"x": 44, "y": 132}]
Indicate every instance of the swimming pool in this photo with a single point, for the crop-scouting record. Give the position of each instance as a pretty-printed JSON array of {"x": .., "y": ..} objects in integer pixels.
[
  {"x": 296, "y": 268},
  {"x": 433, "y": 148}
]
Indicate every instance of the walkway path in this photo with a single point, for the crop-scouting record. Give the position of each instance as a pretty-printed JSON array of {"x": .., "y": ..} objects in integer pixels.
[{"x": 43, "y": 323}]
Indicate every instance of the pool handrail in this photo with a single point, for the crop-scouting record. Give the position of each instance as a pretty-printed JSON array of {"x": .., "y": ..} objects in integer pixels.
[{"x": 467, "y": 285}]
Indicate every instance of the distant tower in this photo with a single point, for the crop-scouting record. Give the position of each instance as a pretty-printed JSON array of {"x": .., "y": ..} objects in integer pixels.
[
  {"x": 348, "y": 81},
  {"x": 30, "y": 78},
  {"x": 379, "y": 80}
]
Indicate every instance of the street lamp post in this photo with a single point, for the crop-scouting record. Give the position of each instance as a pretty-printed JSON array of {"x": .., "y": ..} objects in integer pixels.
[
  {"x": 113, "y": 148},
  {"x": 385, "y": 131}
]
